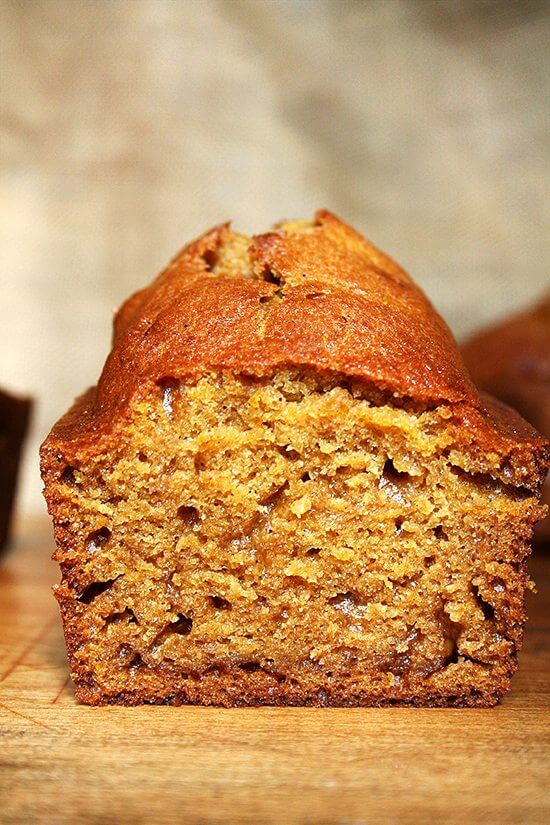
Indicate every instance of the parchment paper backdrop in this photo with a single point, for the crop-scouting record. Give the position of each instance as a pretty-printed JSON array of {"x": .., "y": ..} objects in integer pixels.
[{"x": 130, "y": 126}]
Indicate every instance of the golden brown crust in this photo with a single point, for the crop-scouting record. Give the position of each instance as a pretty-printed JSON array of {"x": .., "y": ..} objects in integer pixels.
[{"x": 323, "y": 298}]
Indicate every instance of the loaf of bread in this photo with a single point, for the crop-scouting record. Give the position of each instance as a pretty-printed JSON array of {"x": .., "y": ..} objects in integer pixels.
[
  {"x": 14, "y": 422},
  {"x": 511, "y": 360},
  {"x": 286, "y": 490}
]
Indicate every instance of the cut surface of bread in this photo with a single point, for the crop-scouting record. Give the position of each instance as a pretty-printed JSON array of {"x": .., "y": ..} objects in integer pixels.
[{"x": 238, "y": 526}]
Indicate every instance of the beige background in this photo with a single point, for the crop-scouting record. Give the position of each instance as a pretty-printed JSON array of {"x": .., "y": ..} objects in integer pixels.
[{"x": 130, "y": 126}]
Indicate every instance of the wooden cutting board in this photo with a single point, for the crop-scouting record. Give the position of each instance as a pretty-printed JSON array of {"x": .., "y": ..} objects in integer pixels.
[{"x": 65, "y": 763}]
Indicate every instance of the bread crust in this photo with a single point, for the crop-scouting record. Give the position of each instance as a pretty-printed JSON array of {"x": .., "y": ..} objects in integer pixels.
[{"x": 347, "y": 308}]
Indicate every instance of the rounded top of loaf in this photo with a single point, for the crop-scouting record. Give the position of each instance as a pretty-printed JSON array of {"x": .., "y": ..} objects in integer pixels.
[{"x": 308, "y": 294}]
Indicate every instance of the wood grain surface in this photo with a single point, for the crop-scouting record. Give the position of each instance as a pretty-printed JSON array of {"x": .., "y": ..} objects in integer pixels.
[{"x": 65, "y": 763}]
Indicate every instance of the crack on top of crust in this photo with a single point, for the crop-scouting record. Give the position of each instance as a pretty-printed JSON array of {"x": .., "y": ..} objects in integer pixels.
[
  {"x": 230, "y": 258},
  {"x": 298, "y": 226},
  {"x": 210, "y": 258},
  {"x": 233, "y": 256},
  {"x": 270, "y": 277}
]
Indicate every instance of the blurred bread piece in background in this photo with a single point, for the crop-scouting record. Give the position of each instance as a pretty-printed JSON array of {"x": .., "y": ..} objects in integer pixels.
[
  {"x": 511, "y": 360},
  {"x": 14, "y": 421}
]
